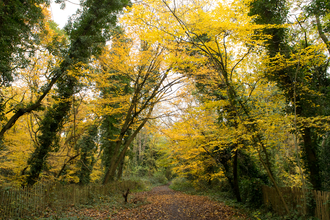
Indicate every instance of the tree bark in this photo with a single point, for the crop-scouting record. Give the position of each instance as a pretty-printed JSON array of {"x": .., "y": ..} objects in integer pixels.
[
  {"x": 235, "y": 174},
  {"x": 64, "y": 165},
  {"x": 321, "y": 33},
  {"x": 312, "y": 159},
  {"x": 139, "y": 138},
  {"x": 20, "y": 112},
  {"x": 115, "y": 161},
  {"x": 132, "y": 115},
  {"x": 120, "y": 169}
]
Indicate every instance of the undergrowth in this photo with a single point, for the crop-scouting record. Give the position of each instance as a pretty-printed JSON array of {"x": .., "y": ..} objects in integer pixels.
[
  {"x": 224, "y": 195},
  {"x": 221, "y": 193},
  {"x": 105, "y": 206}
]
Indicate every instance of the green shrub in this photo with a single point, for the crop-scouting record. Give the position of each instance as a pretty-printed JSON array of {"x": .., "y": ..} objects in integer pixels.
[
  {"x": 141, "y": 171},
  {"x": 159, "y": 178},
  {"x": 251, "y": 192},
  {"x": 182, "y": 184}
]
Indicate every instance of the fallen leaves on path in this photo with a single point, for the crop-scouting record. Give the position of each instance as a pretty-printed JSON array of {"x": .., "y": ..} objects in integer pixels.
[
  {"x": 161, "y": 203},
  {"x": 165, "y": 203}
]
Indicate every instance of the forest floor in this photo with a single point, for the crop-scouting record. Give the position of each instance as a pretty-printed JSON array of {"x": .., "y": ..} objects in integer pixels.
[
  {"x": 162, "y": 203},
  {"x": 159, "y": 203},
  {"x": 165, "y": 203}
]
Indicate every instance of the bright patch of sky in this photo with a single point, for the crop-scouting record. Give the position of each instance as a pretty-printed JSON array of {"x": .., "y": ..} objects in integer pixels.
[{"x": 61, "y": 16}]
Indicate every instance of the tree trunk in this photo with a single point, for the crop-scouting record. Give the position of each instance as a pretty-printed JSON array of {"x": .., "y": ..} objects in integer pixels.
[
  {"x": 235, "y": 174},
  {"x": 139, "y": 137},
  {"x": 224, "y": 158},
  {"x": 91, "y": 26},
  {"x": 115, "y": 161},
  {"x": 120, "y": 169},
  {"x": 50, "y": 125},
  {"x": 321, "y": 33},
  {"x": 257, "y": 137},
  {"x": 312, "y": 161},
  {"x": 20, "y": 112}
]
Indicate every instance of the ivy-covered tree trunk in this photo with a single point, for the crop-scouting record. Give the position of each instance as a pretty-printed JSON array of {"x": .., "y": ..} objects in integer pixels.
[
  {"x": 87, "y": 147},
  {"x": 108, "y": 133},
  {"x": 51, "y": 123},
  {"x": 88, "y": 35},
  {"x": 109, "y": 130}
]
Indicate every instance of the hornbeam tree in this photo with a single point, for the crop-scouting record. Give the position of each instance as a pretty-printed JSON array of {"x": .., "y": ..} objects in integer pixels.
[
  {"x": 225, "y": 37},
  {"x": 145, "y": 66}
]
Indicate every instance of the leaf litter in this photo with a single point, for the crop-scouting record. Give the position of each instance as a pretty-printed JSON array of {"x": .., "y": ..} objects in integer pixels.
[
  {"x": 161, "y": 203},
  {"x": 165, "y": 203}
]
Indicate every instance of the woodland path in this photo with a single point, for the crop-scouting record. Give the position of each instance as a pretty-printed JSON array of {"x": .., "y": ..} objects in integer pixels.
[{"x": 165, "y": 203}]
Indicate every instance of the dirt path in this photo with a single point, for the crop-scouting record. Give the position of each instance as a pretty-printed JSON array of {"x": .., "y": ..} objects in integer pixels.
[{"x": 165, "y": 203}]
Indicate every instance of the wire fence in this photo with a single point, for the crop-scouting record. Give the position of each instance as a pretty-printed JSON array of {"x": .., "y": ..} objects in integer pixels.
[
  {"x": 30, "y": 202},
  {"x": 298, "y": 201}
]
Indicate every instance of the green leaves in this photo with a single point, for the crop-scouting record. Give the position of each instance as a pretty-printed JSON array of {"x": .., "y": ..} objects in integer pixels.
[{"x": 17, "y": 20}]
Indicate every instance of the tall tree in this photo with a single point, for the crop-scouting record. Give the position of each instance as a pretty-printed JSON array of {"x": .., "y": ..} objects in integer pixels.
[
  {"x": 234, "y": 38},
  {"x": 304, "y": 81},
  {"x": 144, "y": 65},
  {"x": 87, "y": 35},
  {"x": 118, "y": 86}
]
